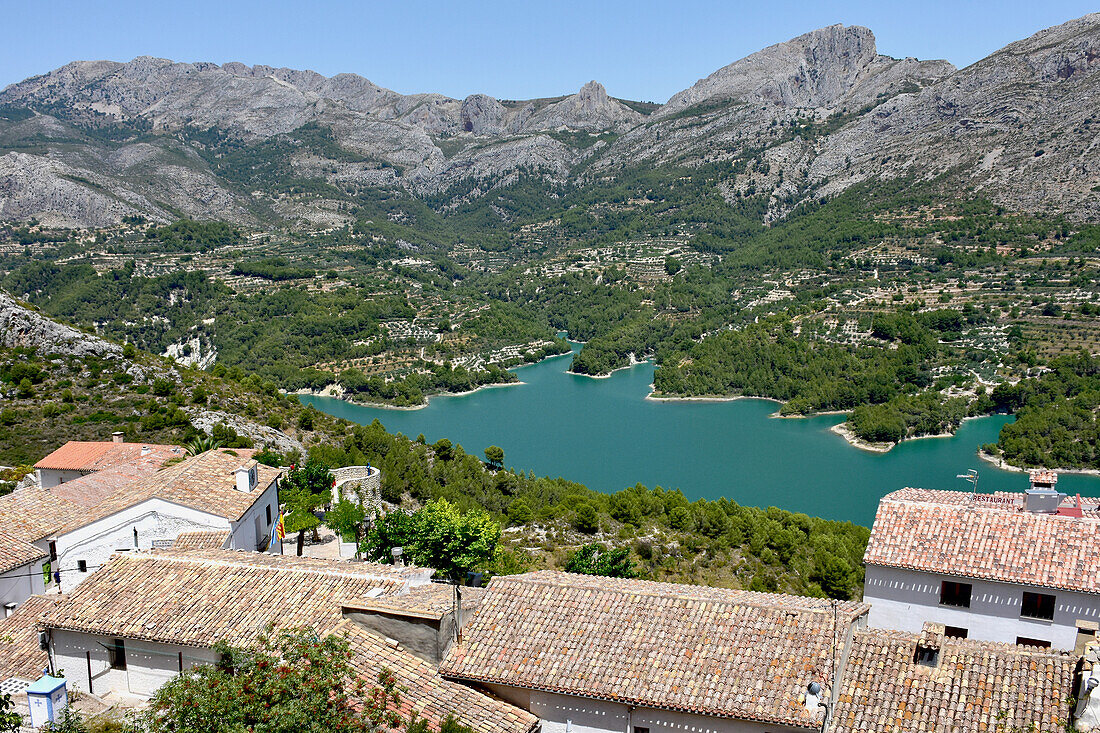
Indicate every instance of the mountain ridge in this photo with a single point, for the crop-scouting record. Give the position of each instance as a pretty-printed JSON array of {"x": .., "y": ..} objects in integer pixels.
[{"x": 812, "y": 115}]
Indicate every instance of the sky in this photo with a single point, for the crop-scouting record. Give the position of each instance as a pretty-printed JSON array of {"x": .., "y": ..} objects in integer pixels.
[{"x": 517, "y": 49}]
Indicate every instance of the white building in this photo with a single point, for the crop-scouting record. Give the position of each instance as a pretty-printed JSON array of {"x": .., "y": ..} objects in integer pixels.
[
  {"x": 145, "y": 617},
  {"x": 80, "y": 458},
  {"x": 77, "y": 525},
  {"x": 21, "y": 572},
  {"x": 1005, "y": 567},
  {"x": 603, "y": 655}
]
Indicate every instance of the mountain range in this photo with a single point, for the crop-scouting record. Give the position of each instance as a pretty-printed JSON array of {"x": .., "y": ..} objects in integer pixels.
[{"x": 94, "y": 141}]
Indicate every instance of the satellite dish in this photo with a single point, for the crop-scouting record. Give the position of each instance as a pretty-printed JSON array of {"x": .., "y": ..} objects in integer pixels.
[{"x": 814, "y": 688}]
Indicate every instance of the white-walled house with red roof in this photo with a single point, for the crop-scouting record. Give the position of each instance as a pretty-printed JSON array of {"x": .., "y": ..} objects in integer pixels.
[
  {"x": 75, "y": 526},
  {"x": 1019, "y": 568}
]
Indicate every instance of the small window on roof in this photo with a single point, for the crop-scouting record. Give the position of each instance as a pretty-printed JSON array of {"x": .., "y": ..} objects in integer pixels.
[
  {"x": 82, "y": 565},
  {"x": 956, "y": 632},
  {"x": 926, "y": 656}
]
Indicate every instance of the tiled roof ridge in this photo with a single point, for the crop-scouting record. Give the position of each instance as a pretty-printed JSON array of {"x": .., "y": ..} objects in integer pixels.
[
  {"x": 659, "y": 589},
  {"x": 195, "y": 557}
]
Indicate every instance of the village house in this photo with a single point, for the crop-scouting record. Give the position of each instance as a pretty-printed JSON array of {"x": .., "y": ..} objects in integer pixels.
[
  {"x": 80, "y": 458},
  {"x": 591, "y": 654},
  {"x": 75, "y": 526},
  {"x": 147, "y": 616},
  {"x": 895, "y": 682},
  {"x": 1021, "y": 568}
]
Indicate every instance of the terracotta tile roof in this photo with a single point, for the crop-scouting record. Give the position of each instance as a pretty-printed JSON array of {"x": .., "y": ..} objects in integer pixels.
[
  {"x": 92, "y": 488},
  {"x": 15, "y": 552},
  {"x": 433, "y": 600},
  {"x": 711, "y": 651},
  {"x": 77, "y": 455},
  {"x": 19, "y": 653},
  {"x": 425, "y": 692},
  {"x": 204, "y": 482},
  {"x": 976, "y": 687},
  {"x": 202, "y": 540},
  {"x": 199, "y": 597},
  {"x": 34, "y": 513},
  {"x": 950, "y": 532}
]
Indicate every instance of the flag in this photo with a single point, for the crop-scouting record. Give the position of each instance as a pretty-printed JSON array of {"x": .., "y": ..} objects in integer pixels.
[{"x": 278, "y": 530}]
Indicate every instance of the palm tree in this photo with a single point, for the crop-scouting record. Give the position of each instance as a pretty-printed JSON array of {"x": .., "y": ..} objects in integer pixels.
[{"x": 202, "y": 443}]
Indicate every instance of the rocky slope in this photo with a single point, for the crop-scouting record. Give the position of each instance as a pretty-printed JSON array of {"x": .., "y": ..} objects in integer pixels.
[
  {"x": 22, "y": 327},
  {"x": 95, "y": 140}
]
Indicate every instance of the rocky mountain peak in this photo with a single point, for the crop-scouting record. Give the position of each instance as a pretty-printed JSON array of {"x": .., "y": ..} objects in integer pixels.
[
  {"x": 816, "y": 69},
  {"x": 588, "y": 109}
]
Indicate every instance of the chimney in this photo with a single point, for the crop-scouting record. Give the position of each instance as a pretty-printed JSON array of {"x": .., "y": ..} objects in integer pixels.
[
  {"x": 118, "y": 437},
  {"x": 145, "y": 450},
  {"x": 246, "y": 477},
  {"x": 398, "y": 556},
  {"x": 1041, "y": 497},
  {"x": 1086, "y": 634}
]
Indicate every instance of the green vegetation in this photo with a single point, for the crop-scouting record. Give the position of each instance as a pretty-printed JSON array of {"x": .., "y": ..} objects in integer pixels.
[
  {"x": 438, "y": 535},
  {"x": 272, "y": 268},
  {"x": 289, "y": 681},
  {"x": 1056, "y": 416}
]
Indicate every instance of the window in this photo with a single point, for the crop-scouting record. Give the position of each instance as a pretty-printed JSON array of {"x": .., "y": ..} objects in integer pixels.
[
  {"x": 956, "y": 632},
  {"x": 1024, "y": 641},
  {"x": 640, "y": 729},
  {"x": 135, "y": 537},
  {"x": 927, "y": 656},
  {"x": 268, "y": 508},
  {"x": 955, "y": 594},
  {"x": 116, "y": 654},
  {"x": 53, "y": 551},
  {"x": 1038, "y": 605},
  {"x": 82, "y": 565}
]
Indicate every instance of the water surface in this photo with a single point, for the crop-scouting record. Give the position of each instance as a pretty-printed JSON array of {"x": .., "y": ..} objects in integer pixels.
[{"x": 604, "y": 433}]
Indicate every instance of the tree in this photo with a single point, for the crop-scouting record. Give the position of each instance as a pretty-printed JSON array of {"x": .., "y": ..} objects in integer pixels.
[
  {"x": 287, "y": 683},
  {"x": 26, "y": 389},
  {"x": 672, "y": 265},
  {"x": 202, "y": 443},
  {"x": 10, "y": 721},
  {"x": 346, "y": 519},
  {"x": 494, "y": 454},
  {"x": 594, "y": 559},
  {"x": 306, "y": 489},
  {"x": 443, "y": 449},
  {"x": 437, "y": 536},
  {"x": 129, "y": 351},
  {"x": 586, "y": 519}
]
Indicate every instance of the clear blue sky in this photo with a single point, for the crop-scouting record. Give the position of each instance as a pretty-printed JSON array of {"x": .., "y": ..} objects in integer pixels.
[{"x": 640, "y": 49}]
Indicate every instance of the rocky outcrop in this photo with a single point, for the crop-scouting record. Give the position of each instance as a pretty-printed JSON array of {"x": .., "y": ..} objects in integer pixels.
[
  {"x": 261, "y": 435},
  {"x": 821, "y": 69},
  {"x": 589, "y": 109},
  {"x": 482, "y": 115},
  {"x": 1019, "y": 126},
  {"x": 22, "y": 327}
]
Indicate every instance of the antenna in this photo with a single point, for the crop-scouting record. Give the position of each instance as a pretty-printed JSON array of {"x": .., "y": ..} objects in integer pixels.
[{"x": 971, "y": 475}]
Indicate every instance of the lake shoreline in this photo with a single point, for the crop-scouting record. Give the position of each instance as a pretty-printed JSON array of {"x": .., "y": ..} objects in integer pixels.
[
  {"x": 335, "y": 391},
  {"x": 1004, "y": 465}
]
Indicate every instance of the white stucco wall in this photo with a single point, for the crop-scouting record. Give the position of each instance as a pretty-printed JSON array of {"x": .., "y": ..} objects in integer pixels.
[
  {"x": 569, "y": 714},
  {"x": 904, "y": 599},
  {"x": 154, "y": 519},
  {"x": 148, "y": 665},
  {"x": 19, "y": 584},
  {"x": 50, "y": 477},
  {"x": 253, "y": 526}
]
